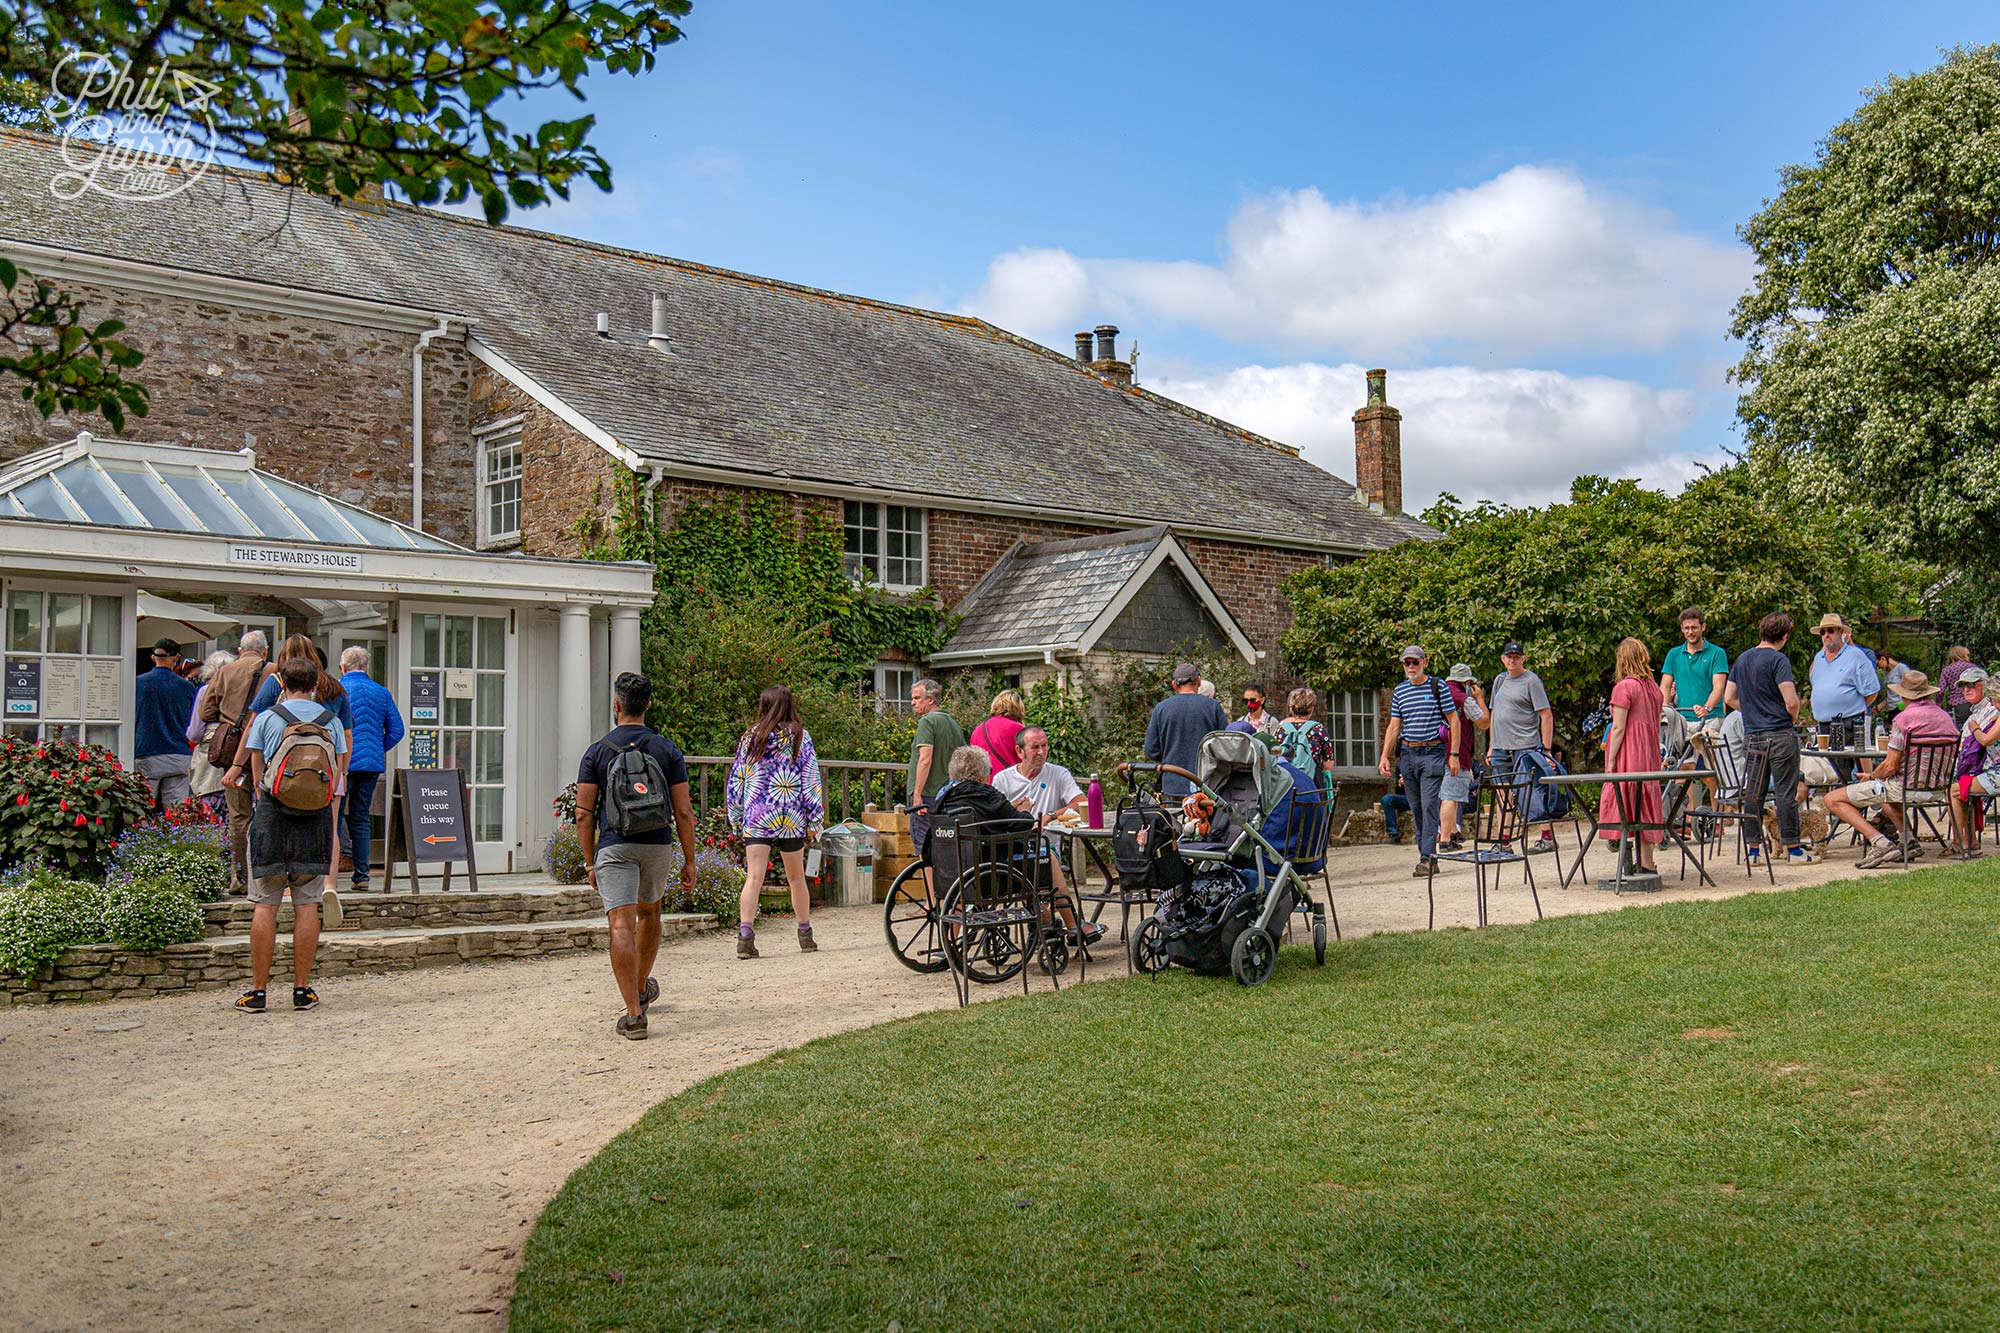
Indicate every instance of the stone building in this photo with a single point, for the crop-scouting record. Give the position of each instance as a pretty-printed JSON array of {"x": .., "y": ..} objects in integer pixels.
[{"x": 490, "y": 385}]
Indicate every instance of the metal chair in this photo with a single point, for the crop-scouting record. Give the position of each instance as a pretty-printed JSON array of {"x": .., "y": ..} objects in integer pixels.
[
  {"x": 1305, "y": 838},
  {"x": 1727, "y": 806},
  {"x": 1929, "y": 772},
  {"x": 1494, "y": 835},
  {"x": 993, "y": 885}
]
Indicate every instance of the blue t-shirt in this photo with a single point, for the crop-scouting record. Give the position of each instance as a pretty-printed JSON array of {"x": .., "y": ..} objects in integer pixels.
[
  {"x": 1423, "y": 709},
  {"x": 596, "y": 766},
  {"x": 1840, "y": 688},
  {"x": 269, "y": 728},
  {"x": 160, "y": 709},
  {"x": 1174, "y": 733},
  {"x": 1757, "y": 675},
  {"x": 268, "y": 692}
]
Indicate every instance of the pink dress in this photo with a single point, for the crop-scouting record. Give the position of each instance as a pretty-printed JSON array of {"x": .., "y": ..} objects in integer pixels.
[
  {"x": 1639, "y": 752},
  {"x": 996, "y": 735}
]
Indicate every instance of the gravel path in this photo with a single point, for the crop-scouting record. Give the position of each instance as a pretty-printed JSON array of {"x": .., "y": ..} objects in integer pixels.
[{"x": 170, "y": 1163}]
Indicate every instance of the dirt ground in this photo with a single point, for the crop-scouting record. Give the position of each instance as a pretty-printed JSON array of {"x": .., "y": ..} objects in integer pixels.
[{"x": 377, "y": 1163}]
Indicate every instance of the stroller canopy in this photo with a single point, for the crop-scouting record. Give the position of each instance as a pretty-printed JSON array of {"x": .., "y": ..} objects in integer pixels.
[{"x": 1239, "y": 768}]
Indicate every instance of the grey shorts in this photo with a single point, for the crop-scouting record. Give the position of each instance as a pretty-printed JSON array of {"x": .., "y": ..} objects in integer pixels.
[
  {"x": 269, "y": 890},
  {"x": 633, "y": 872},
  {"x": 1455, "y": 788}
]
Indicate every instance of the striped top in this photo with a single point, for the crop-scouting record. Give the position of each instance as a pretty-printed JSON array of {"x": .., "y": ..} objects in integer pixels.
[{"x": 1419, "y": 707}]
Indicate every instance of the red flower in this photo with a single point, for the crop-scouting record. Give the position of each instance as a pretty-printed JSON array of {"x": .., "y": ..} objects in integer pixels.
[
  {"x": 62, "y": 805},
  {"x": 80, "y": 821},
  {"x": 22, "y": 799}
]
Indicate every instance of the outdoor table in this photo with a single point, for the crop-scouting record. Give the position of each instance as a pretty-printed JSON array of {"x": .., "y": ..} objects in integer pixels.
[
  {"x": 1628, "y": 827},
  {"x": 1095, "y": 842}
]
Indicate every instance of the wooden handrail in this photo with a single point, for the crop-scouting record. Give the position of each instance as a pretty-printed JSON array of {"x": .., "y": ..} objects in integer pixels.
[{"x": 849, "y": 784}]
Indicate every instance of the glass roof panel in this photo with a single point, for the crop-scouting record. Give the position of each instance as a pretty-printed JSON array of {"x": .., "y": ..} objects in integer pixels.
[
  {"x": 91, "y": 491},
  {"x": 195, "y": 492},
  {"x": 146, "y": 494},
  {"x": 314, "y": 510},
  {"x": 42, "y": 500},
  {"x": 379, "y": 532},
  {"x": 270, "y": 518}
]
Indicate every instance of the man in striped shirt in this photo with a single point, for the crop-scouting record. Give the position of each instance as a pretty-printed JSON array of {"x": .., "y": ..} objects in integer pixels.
[{"x": 1425, "y": 721}]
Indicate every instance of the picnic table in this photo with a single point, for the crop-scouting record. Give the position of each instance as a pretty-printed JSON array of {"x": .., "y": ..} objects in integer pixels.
[{"x": 1627, "y": 826}]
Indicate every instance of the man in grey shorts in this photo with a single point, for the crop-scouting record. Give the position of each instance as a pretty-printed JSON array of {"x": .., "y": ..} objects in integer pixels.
[{"x": 629, "y": 870}]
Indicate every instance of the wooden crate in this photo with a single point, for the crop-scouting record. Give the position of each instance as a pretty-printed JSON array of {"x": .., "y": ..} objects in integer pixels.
[
  {"x": 894, "y": 826},
  {"x": 886, "y": 870}
]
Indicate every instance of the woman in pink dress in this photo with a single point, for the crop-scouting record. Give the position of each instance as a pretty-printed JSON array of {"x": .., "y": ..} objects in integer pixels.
[
  {"x": 997, "y": 734},
  {"x": 1634, "y": 747}
]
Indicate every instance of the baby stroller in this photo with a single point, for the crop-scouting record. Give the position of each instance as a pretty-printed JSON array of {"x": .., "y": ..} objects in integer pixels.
[{"x": 1229, "y": 875}]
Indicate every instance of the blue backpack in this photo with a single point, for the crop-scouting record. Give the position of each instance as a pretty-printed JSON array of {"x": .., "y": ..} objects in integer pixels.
[{"x": 1544, "y": 803}]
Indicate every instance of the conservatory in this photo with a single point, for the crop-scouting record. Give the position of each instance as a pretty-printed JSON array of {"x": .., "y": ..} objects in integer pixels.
[{"x": 103, "y": 542}]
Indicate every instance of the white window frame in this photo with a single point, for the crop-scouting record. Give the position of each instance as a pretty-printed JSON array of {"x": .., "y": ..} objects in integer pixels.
[
  {"x": 893, "y": 684},
  {"x": 874, "y": 520},
  {"x": 491, "y": 439},
  {"x": 1353, "y": 720}
]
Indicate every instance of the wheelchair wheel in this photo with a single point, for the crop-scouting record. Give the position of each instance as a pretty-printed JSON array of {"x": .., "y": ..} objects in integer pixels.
[
  {"x": 1147, "y": 949},
  {"x": 1052, "y": 957},
  {"x": 911, "y": 925},
  {"x": 1253, "y": 957},
  {"x": 990, "y": 955},
  {"x": 1319, "y": 940}
]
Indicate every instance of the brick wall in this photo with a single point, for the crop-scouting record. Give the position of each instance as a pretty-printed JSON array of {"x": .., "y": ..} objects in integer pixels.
[{"x": 322, "y": 403}]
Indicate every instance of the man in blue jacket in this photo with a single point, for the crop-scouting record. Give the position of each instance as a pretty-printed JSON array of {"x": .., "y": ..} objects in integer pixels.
[{"x": 378, "y": 728}]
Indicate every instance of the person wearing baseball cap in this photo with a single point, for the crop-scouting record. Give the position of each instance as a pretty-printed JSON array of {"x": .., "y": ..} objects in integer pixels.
[
  {"x": 1425, "y": 719},
  {"x": 1458, "y": 791},
  {"x": 1983, "y": 724},
  {"x": 162, "y": 704},
  {"x": 1179, "y": 721},
  {"x": 1844, "y": 686},
  {"x": 1523, "y": 721}
]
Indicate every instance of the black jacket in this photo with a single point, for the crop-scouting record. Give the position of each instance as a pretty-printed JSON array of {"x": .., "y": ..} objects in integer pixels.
[{"x": 974, "y": 802}]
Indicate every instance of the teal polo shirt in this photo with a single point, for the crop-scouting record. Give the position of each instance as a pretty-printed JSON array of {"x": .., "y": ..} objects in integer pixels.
[{"x": 1694, "y": 675}]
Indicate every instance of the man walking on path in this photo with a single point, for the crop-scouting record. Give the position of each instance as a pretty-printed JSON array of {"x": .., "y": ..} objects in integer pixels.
[
  {"x": 378, "y": 729},
  {"x": 1179, "y": 721},
  {"x": 1694, "y": 674},
  {"x": 162, "y": 706},
  {"x": 291, "y": 848},
  {"x": 938, "y": 738},
  {"x": 1761, "y": 685},
  {"x": 627, "y": 836},
  {"x": 227, "y": 701},
  {"x": 1844, "y": 684},
  {"x": 1424, "y": 719},
  {"x": 1523, "y": 720}
]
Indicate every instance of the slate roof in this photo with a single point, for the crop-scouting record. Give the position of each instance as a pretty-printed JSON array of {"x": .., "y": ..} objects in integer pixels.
[
  {"x": 1047, "y": 595},
  {"x": 768, "y": 380}
]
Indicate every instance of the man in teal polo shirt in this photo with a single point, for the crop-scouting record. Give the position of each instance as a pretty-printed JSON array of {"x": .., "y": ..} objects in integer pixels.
[
  {"x": 1694, "y": 673},
  {"x": 1844, "y": 684}
]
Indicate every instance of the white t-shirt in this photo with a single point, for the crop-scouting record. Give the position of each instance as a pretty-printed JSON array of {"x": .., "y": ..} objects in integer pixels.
[{"x": 1047, "y": 792}]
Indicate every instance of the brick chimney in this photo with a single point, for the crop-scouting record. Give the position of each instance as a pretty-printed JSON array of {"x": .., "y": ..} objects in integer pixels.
[
  {"x": 1105, "y": 365},
  {"x": 1378, "y": 447}
]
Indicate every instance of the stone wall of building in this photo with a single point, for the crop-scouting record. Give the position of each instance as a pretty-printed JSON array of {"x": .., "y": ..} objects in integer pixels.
[
  {"x": 565, "y": 478},
  {"x": 322, "y": 403}
]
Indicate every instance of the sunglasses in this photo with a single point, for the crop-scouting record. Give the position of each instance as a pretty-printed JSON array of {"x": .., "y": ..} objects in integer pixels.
[
  {"x": 1823, "y": 633},
  {"x": 1254, "y": 703},
  {"x": 1413, "y": 661}
]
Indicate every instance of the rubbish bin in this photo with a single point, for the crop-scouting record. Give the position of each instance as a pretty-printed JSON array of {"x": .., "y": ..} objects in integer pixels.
[{"x": 852, "y": 846}]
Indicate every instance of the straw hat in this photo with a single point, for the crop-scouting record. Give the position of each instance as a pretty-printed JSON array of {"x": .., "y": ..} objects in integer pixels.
[
  {"x": 1914, "y": 685},
  {"x": 1831, "y": 620}
]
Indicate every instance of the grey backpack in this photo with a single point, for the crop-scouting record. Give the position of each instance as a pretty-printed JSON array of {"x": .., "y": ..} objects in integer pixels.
[{"x": 636, "y": 799}]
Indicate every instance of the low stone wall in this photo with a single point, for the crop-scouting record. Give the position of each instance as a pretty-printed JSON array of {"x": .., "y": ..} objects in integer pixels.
[
  {"x": 418, "y": 911},
  {"x": 105, "y": 971}
]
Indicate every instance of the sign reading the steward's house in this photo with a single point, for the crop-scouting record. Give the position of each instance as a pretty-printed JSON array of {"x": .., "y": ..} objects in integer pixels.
[
  {"x": 24, "y": 686},
  {"x": 294, "y": 557}
]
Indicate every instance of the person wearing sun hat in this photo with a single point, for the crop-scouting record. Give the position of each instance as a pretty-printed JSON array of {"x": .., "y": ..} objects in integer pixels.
[
  {"x": 1460, "y": 788},
  {"x": 1844, "y": 687},
  {"x": 1982, "y": 723},
  {"x": 1920, "y": 720}
]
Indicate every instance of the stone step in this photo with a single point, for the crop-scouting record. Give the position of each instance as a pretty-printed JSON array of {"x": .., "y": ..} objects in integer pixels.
[
  {"x": 105, "y": 971},
  {"x": 422, "y": 911}
]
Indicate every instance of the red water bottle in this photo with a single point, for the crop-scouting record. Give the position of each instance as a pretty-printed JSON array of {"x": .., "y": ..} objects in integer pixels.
[{"x": 1095, "y": 802}]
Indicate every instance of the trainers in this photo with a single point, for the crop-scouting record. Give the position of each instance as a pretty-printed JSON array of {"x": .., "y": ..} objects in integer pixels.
[
  {"x": 807, "y": 944},
  {"x": 746, "y": 945},
  {"x": 632, "y": 1027},
  {"x": 1542, "y": 847},
  {"x": 1801, "y": 856},
  {"x": 649, "y": 994},
  {"x": 1878, "y": 854},
  {"x": 250, "y": 1002},
  {"x": 1424, "y": 869},
  {"x": 1753, "y": 856},
  {"x": 330, "y": 915},
  {"x": 305, "y": 997}
]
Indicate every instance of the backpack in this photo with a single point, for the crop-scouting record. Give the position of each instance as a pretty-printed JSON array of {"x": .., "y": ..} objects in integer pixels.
[
  {"x": 1544, "y": 803},
  {"x": 1295, "y": 744},
  {"x": 299, "y": 772},
  {"x": 636, "y": 799},
  {"x": 1145, "y": 846}
]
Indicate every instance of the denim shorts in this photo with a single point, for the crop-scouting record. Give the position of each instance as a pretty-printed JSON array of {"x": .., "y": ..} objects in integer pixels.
[{"x": 1455, "y": 788}]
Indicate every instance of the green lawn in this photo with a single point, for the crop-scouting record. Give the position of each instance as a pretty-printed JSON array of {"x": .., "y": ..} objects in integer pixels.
[{"x": 1780, "y": 1111}]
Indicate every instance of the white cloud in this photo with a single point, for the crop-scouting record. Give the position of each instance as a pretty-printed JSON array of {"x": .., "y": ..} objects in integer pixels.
[
  {"x": 1534, "y": 259},
  {"x": 1512, "y": 435}
]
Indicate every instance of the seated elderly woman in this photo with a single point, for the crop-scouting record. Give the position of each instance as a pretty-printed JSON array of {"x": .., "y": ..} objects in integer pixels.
[{"x": 969, "y": 797}]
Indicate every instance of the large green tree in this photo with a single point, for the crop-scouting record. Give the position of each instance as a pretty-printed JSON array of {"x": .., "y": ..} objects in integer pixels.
[
  {"x": 1871, "y": 364},
  {"x": 415, "y": 96},
  {"x": 1570, "y": 580}
]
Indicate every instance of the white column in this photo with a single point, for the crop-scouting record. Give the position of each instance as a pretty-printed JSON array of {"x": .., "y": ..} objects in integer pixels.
[
  {"x": 573, "y": 720},
  {"x": 624, "y": 640}
]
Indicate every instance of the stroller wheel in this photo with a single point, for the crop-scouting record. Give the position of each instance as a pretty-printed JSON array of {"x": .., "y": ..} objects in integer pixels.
[
  {"x": 1148, "y": 949},
  {"x": 1253, "y": 957},
  {"x": 1319, "y": 940}
]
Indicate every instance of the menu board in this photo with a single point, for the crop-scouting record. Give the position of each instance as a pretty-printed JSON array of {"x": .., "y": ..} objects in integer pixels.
[
  {"x": 103, "y": 688},
  {"x": 62, "y": 686},
  {"x": 423, "y": 749}
]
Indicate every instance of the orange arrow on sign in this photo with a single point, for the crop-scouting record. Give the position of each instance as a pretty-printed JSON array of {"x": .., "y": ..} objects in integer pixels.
[{"x": 432, "y": 837}]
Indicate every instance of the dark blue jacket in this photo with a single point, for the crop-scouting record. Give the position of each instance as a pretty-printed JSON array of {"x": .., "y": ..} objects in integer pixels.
[
  {"x": 378, "y": 726},
  {"x": 162, "y": 708}
]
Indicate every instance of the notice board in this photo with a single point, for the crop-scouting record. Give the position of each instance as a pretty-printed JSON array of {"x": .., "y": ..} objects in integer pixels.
[{"x": 428, "y": 824}]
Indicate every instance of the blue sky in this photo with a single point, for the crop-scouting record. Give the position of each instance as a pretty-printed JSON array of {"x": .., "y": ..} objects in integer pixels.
[{"x": 1527, "y": 214}]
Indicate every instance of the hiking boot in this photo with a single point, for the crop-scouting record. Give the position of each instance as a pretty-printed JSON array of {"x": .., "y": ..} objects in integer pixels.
[
  {"x": 650, "y": 993},
  {"x": 304, "y": 997},
  {"x": 632, "y": 1027},
  {"x": 807, "y": 944},
  {"x": 1542, "y": 847},
  {"x": 250, "y": 1002},
  {"x": 746, "y": 945},
  {"x": 1424, "y": 869},
  {"x": 330, "y": 915}
]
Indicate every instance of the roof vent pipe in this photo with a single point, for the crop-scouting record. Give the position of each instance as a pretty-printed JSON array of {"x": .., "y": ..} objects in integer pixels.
[
  {"x": 658, "y": 338},
  {"x": 1083, "y": 346},
  {"x": 603, "y": 325},
  {"x": 1107, "y": 342}
]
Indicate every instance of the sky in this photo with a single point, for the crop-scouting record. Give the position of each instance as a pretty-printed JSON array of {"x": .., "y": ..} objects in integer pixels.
[{"x": 1527, "y": 214}]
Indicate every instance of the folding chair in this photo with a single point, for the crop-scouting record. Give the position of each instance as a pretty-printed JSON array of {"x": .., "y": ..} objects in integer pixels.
[
  {"x": 1928, "y": 772},
  {"x": 1727, "y": 807},
  {"x": 1506, "y": 798}
]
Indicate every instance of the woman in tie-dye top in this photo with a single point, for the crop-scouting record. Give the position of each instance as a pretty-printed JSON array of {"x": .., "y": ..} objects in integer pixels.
[{"x": 775, "y": 802}]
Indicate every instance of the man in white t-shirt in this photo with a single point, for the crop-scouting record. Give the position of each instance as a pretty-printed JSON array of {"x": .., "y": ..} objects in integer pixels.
[{"x": 1044, "y": 790}]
